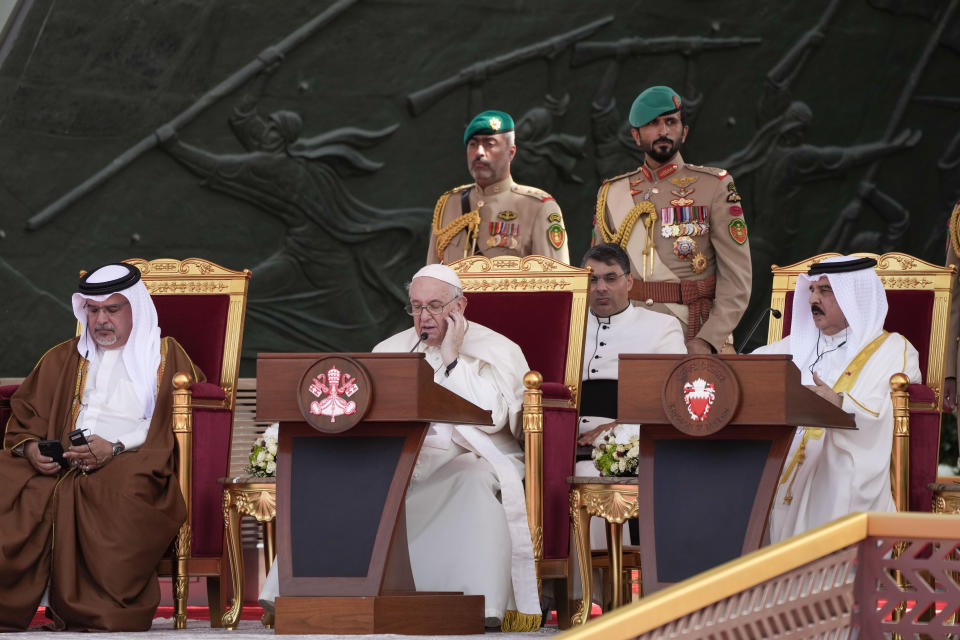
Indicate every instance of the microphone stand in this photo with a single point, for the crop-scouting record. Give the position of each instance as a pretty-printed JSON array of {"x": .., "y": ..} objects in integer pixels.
[{"x": 756, "y": 325}]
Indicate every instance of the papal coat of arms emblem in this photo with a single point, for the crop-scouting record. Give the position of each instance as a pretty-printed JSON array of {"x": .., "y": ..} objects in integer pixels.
[
  {"x": 699, "y": 396},
  {"x": 329, "y": 388}
]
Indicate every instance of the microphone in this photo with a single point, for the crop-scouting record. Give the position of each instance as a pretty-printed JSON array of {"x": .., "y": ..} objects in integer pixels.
[
  {"x": 423, "y": 336},
  {"x": 756, "y": 325}
]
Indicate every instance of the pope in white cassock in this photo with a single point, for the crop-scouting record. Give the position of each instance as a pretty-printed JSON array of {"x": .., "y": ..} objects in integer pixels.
[
  {"x": 466, "y": 516},
  {"x": 844, "y": 355}
]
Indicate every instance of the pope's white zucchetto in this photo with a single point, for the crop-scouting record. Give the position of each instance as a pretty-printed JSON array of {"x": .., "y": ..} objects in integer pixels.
[{"x": 439, "y": 272}]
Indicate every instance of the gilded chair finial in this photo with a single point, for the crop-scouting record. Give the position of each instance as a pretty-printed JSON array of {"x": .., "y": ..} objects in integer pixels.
[
  {"x": 532, "y": 380},
  {"x": 899, "y": 382},
  {"x": 181, "y": 381}
]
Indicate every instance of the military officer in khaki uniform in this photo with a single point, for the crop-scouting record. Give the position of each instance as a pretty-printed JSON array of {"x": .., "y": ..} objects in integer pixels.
[
  {"x": 682, "y": 226},
  {"x": 495, "y": 216}
]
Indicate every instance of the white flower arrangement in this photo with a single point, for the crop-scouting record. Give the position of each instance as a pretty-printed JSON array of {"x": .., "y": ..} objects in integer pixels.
[
  {"x": 263, "y": 453},
  {"x": 616, "y": 452}
]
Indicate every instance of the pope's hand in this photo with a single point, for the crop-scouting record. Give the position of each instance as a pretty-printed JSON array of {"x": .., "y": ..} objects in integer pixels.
[
  {"x": 453, "y": 340},
  {"x": 824, "y": 390}
]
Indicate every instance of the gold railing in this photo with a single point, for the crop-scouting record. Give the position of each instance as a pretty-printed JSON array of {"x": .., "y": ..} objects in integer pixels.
[{"x": 774, "y": 586}]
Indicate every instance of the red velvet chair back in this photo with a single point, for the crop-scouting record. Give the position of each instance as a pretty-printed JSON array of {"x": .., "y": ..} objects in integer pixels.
[
  {"x": 538, "y": 321},
  {"x": 199, "y": 324},
  {"x": 918, "y": 297},
  {"x": 540, "y": 304},
  {"x": 202, "y": 305}
]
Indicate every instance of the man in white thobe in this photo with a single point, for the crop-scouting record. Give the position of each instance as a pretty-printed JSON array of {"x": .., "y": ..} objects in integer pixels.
[
  {"x": 614, "y": 326},
  {"x": 844, "y": 355},
  {"x": 466, "y": 516}
]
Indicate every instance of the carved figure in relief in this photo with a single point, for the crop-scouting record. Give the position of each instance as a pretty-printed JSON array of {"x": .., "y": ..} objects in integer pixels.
[{"x": 335, "y": 248}]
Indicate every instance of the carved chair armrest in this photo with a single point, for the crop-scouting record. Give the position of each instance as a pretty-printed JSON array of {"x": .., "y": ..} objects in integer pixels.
[{"x": 533, "y": 460}]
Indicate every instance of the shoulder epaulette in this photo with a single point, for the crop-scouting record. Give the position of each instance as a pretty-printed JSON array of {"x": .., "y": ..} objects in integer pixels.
[
  {"x": 953, "y": 229},
  {"x": 533, "y": 192},
  {"x": 461, "y": 188},
  {"x": 714, "y": 171},
  {"x": 622, "y": 175}
]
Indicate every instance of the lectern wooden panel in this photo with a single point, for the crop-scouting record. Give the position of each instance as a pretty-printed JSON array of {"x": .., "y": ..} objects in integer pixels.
[
  {"x": 343, "y": 564},
  {"x": 704, "y": 499}
]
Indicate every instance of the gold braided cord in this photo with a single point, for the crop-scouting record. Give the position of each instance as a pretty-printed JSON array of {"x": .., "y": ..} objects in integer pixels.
[
  {"x": 651, "y": 219},
  {"x": 78, "y": 390},
  {"x": 799, "y": 456},
  {"x": 445, "y": 234},
  {"x": 955, "y": 229},
  {"x": 622, "y": 236}
]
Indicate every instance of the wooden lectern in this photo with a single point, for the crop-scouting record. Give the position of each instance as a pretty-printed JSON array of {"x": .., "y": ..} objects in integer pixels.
[
  {"x": 343, "y": 562},
  {"x": 714, "y": 436}
]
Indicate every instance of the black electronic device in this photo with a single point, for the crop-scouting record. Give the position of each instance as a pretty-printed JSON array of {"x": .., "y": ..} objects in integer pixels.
[
  {"x": 77, "y": 438},
  {"x": 52, "y": 449}
]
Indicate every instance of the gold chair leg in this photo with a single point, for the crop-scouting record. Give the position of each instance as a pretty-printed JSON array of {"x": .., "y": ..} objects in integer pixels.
[
  {"x": 581, "y": 531},
  {"x": 615, "y": 549},
  {"x": 269, "y": 543},
  {"x": 231, "y": 526},
  {"x": 181, "y": 579}
]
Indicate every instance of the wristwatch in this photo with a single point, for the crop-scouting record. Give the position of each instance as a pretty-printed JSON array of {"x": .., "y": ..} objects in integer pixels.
[{"x": 118, "y": 448}]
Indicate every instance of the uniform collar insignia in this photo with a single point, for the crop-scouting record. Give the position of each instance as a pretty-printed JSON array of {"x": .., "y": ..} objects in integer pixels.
[
  {"x": 666, "y": 170},
  {"x": 497, "y": 187}
]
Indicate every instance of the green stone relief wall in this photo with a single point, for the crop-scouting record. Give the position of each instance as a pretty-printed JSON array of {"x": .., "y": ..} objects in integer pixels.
[{"x": 839, "y": 119}]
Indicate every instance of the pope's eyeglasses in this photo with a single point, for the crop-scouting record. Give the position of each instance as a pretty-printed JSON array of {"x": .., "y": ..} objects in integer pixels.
[{"x": 433, "y": 308}]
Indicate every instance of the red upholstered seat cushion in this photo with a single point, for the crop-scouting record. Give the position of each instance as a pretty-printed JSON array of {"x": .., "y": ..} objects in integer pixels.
[
  {"x": 555, "y": 391},
  {"x": 559, "y": 454},
  {"x": 199, "y": 324},
  {"x": 523, "y": 319},
  {"x": 211, "y": 461}
]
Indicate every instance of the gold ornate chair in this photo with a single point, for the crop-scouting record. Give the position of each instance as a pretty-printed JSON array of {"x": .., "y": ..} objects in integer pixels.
[
  {"x": 918, "y": 296},
  {"x": 202, "y": 305},
  {"x": 541, "y": 304}
]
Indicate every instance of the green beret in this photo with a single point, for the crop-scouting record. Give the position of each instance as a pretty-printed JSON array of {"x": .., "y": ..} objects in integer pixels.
[
  {"x": 653, "y": 102},
  {"x": 488, "y": 123}
]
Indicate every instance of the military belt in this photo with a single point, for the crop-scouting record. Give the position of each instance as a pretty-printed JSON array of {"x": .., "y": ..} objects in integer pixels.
[{"x": 696, "y": 294}]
